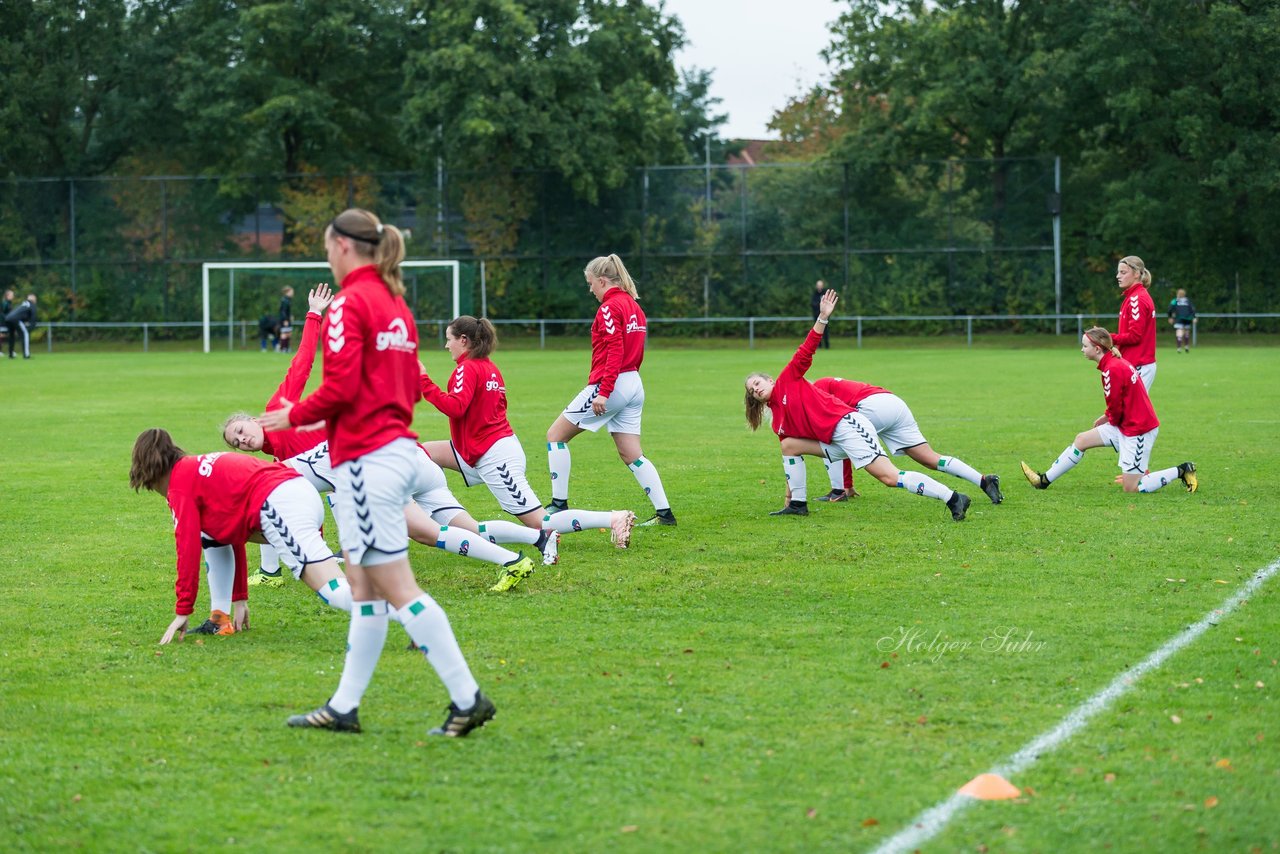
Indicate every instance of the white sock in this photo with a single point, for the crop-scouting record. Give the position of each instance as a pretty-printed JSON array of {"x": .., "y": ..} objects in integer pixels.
[
  {"x": 365, "y": 638},
  {"x": 559, "y": 462},
  {"x": 470, "y": 544},
  {"x": 220, "y": 569},
  {"x": 959, "y": 468},
  {"x": 835, "y": 473},
  {"x": 1065, "y": 462},
  {"x": 647, "y": 476},
  {"x": 336, "y": 594},
  {"x": 568, "y": 521},
  {"x": 426, "y": 623},
  {"x": 269, "y": 562},
  {"x": 922, "y": 484},
  {"x": 501, "y": 531},
  {"x": 793, "y": 469},
  {"x": 1158, "y": 479}
]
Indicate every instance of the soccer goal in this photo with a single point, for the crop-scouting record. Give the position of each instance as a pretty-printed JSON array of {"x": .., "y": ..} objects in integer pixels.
[{"x": 259, "y": 283}]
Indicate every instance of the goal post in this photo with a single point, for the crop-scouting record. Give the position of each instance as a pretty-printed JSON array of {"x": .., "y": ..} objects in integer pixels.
[{"x": 451, "y": 267}]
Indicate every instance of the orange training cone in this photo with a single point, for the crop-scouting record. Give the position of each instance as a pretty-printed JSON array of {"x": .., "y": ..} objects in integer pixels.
[{"x": 990, "y": 787}]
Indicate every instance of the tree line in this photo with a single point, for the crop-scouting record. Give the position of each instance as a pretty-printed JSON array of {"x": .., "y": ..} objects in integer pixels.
[{"x": 531, "y": 133}]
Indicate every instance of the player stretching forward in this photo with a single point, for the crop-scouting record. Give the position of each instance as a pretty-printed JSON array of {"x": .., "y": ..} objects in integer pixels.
[
  {"x": 614, "y": 395},
  {"x": 484, "y": 449},
  {"x": 232, "y": 498},
  {"x": 366, "y": 400},
  {"x": 801, "y": 411},
  {"x": 895, "y": 426},
  {"x": 432, "y": 514},
  {"x": 1129, "y": 425}
]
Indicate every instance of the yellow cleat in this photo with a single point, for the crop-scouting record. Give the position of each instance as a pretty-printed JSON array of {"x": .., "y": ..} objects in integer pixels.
[
  {"x": 1187, "y": 473},
  {"x": 1035, "y": 478},
  {"x": 513, "y": 573}
]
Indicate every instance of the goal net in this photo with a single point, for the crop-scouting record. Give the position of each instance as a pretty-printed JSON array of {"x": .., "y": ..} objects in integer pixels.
[{"x": 237, "y": 295}]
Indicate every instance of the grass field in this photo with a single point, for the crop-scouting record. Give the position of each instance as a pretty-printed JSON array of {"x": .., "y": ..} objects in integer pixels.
[{"x": 730, "y": 684}]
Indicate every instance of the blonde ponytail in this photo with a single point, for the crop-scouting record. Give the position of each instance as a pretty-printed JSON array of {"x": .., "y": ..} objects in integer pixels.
[
  {"x": 612, "y": 268},
  {"x": 382, "y": 244}
]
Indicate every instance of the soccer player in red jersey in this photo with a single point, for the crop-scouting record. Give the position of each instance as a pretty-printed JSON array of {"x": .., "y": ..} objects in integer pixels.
[
  {"x": 1136, "y": 333},
  {"x": 228, "y": 499},
  {"x": 798, "y": 410},
  {"x": 614, "y": 395},
  {"x": 895, "y": 426},
  {"x": 434, "y": 510},
  {"x": 1129, "y": 425},
  {"x": 484, "y": 449},
  {"x": 366, "y": 400}
]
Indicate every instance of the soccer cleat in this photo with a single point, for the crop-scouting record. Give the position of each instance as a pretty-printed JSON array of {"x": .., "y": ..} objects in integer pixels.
[
  {"x": 835, "y": 495},
  {"x": 793, "y": 508},
  {"x": 620, "y": 524},
  {"x": 219, "y": 623},
  {"x": 1035, "y": 478},
  {"x": 513, "y": 573},
  {"x": 557, "y": 506},
  {"x": 266, "y": 579},
  {"x": 958, "y": 504},
  {"x": 458, "y": 723},
  {"x": 662, "y": 517},
  {"x": 549, "y": 544},
  {"x": 1187, "y": 474},
  {"x": 990, "y": 484},
  {"x": 326, "y": 717}
]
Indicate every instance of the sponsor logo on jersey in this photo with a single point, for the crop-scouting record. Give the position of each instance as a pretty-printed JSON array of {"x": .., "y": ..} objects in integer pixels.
[
  {"x": 207, "y": 461},
  {"x": 494, "y": 385},
  {"x": 396, "y": 338},
  {"x": 634, "y": 324}
]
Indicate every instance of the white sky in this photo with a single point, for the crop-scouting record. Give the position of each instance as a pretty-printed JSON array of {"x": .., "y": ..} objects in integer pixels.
[{"x": 760, "y": 52}]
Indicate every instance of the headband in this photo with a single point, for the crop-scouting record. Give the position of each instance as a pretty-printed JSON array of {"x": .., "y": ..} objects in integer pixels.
[{"x": 340, "y": 230}]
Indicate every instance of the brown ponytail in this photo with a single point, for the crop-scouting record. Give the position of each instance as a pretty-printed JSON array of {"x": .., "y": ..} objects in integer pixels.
[
  {"x": 154, "y": 456},
  {"x": 382, "y": 244},
  {"x": 479, "y": 331},
  {"x": 755, "y": 407}
]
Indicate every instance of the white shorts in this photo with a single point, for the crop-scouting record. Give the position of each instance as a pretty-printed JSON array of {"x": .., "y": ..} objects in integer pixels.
[
  {"x": 854, "y": 440},
  {"x": 1183, "y": 326},
  {"x": 1134, "y": 451},
  {"x": 502, "y": 469},
  {"x": 291, "y": 518},
  {"x": 893, "y": 422},
  {"x": 1148, "y": 374},
  {"x": 375, "y": 489},
  {"x": 434, "y": 495},
  {"x": 622, "y": 413}
]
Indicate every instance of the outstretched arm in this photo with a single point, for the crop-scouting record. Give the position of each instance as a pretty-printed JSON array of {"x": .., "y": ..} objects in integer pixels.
[{"x": 825, "y": 307}]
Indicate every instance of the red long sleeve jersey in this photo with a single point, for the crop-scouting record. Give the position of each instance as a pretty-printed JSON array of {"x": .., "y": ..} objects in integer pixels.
[
  {"x": 283, "y": 444},
  {"x": 851, "y": 392},
  {"x": 1128, "y": 406},
  {"x": 475, "y": 400},
  {"x": 370, "y": 383},
  {"x": 1136, "y": 331},
  {"x": 220, "y": 494},
  {"x": 617, "y": 339},
  {"x": 798, "y": 408}
]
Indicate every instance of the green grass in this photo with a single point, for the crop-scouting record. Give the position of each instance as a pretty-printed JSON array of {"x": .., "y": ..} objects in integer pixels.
[{"x": 723, "y": 685}]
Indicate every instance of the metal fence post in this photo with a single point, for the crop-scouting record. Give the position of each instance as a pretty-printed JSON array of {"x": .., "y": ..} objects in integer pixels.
[
  {"x": 1079, "y": 326},
  {"x": 751, "y": 333},
  {"x": 144, "y": 338},
  {"x": 968, "y": 322},
  {"x": 859, "y": 332},
  {"x": 48, "y": 338},
  {"x": 542, "y": 335}
]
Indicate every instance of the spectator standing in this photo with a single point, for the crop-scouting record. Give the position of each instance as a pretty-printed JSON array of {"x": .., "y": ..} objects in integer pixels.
[
  {"x": 1182, "y": 314},
  {"x": 19, "y": 321}
]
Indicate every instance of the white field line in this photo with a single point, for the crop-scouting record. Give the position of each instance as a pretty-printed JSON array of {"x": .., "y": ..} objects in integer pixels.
[{"x": 930, "y": 823}]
